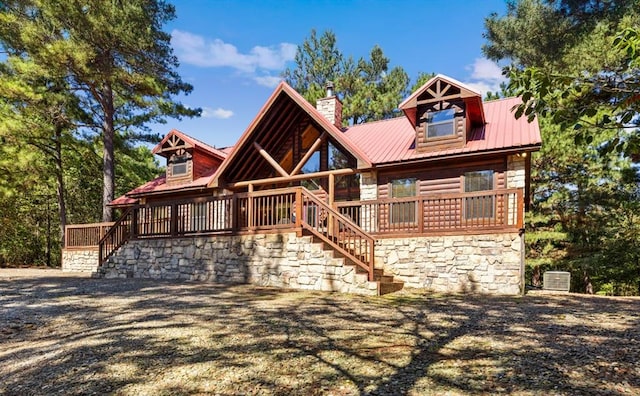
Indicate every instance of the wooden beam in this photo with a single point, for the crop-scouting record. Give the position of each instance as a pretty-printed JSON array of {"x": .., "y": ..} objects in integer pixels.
[
  {"x": 332, "y": 191},
  {"x": 241, "y": 169},
  {"x": 308, "y": 154},
  {"x": 270, "y": 160},
  {"x": 445, "y": 89},
  {"x": 303, "y": 176},
  {"x": 332, "y": 188},
  {"x": 438, "y": 99}
]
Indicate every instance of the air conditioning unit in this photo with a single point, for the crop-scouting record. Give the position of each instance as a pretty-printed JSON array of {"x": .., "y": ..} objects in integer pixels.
[{"x": 556, "y": 280}]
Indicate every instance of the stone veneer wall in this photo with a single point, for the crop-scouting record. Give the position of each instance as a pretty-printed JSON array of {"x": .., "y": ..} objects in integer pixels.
[
  {"x": 280, "y": 260},
  {"x": 74, "y": 260},
  {"x": 472, "y": 263},
  {"x": 516, "y": 171}
]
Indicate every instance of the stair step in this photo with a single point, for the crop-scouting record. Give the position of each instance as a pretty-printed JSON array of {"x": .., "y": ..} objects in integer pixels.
[
  {"x": 383, "y": 278},
  {"x": 389, "y": 287}
]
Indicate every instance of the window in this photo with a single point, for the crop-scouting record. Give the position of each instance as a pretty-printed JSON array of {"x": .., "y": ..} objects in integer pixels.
[
  {"x": 178, "y": 169},
  {"x": 482, "y": 206},
  {"x": 179, "y": 164},
  {"x": 403, "y": 212},
  {"x": 440, "y": 123}
]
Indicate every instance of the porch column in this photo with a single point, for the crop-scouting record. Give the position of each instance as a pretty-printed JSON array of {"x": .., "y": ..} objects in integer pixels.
[
  {"x": 516, "y": 178},
  {"x": 250, "y": 220},
  {"x": 368, "y": 192},
  {"x": 332, "y": 191}
]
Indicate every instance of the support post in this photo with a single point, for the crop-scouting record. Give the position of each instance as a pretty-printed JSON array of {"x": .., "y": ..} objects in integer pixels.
[
  {"x": 332, "y": 190},
  {"x": 520, "y": 208},
  {"x": 234, "y": 212},
  {"x": 134, "y": 223},
  {"x": 174, "y": 219},
  {"x": 298, "y": 208},
  {"x": 420, "y": 214},
  {"x": 250, "y": 220}
]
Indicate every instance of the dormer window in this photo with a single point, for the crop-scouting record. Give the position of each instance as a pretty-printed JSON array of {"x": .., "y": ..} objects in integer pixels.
[
  {"x": 440, "y": 123},
  {"x": 179, "y": 168},
  {"x": 444, "y": 112},
  {"x": 178, "y": 164}
]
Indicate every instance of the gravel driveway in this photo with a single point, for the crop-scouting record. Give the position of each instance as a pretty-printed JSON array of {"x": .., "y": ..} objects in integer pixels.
[{"x": 62, "y": 334}]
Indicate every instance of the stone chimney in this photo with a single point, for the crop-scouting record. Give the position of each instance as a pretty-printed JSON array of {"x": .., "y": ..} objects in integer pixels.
[{"x": 331, "y": 107}]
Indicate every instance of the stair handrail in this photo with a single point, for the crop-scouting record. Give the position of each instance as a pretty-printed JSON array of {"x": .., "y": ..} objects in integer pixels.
[
  {"x": 367, "y": 265},
  {"x": 104, "y": 252}
]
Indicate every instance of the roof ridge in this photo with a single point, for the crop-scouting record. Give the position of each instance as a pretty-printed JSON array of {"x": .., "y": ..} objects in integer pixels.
[
  {"x": 499, "y": 99},
  {"x": 376, "y": 121},
  {"x": 208, "y": 146}
]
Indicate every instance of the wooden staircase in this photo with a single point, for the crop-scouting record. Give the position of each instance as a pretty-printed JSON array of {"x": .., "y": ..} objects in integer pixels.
[
  {"x": 345, "y": 238},
  {"x": 385, "y": 283}
]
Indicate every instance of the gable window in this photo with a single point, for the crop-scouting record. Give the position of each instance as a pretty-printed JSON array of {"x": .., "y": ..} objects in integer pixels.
[
  {"x": 482, "y": 206},
  {"x": 440, "y": 123},
  {"x": 403, "y": 212},
  {"x": 179, "y": 165}
]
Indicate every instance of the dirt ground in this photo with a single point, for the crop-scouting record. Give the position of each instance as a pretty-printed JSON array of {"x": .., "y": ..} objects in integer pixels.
[{"x": 69, "y": 334}]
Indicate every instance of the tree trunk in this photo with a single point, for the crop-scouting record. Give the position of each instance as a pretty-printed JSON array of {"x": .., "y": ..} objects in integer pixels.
[
  {"x": 108, "y": 168},
  {"x": 62, "y": 207},
  {"x": 588, "y": 287}
]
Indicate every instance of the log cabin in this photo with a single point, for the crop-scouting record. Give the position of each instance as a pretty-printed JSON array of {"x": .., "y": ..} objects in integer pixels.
[{"x": 433, "y": 199}]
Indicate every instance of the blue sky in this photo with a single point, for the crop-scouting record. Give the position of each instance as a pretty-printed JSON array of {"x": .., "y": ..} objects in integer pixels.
[{"x": 233, "y": 52}]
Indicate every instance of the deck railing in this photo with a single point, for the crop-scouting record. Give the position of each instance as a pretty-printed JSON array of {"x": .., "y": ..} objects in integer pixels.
[
  {"x": 85, "y": 235},
  {"x": 335, "y": 229},
  {"x": 445, "y": 213},
  {"x": 117, "y": 235},
  {"x": 348, "y": 226},
  {"x": 270, "y": 209}
]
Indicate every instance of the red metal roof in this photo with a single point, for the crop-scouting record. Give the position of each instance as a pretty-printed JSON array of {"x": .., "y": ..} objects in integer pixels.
[
  {"x": 393, "y": 140},
  {"x": 191, "y": 141},
  {"x": 159, "y": 184},
  {"x": 379, "y": 142}
]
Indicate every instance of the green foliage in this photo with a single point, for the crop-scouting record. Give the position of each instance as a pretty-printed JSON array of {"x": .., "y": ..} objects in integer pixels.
[
  {"x": 422, "y": 79},
  {"x": 318, "y": 60},
  {"x": 575, "y": 65},
  {"x": 369, "y": 88},
  {"x": 113, "y": 57},
  {"x": 79, "y": 82}
]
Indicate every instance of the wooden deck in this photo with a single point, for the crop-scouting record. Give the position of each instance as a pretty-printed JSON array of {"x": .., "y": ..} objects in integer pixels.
[{"x": 348, "y": 227}]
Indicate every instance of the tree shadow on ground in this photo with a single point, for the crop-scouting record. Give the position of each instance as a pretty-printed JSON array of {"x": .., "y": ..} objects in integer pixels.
[{"x": 132, "y": 336}]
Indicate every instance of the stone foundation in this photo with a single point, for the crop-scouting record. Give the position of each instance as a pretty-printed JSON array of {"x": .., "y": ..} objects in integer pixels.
[
  {"x": 451, "y": 264},
  {"x": 280, "y": 260},
  {"x": 488, "y": 264},
  {"x": 74, "y": 260}
]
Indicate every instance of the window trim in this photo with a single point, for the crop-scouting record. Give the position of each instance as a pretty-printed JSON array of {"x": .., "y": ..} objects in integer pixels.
[
  {"x": 179, "y": 164},
  {"x": 469, "y": 216},
  {"x": 412, "y": 221},
  {"x": 451, "y": 121}
]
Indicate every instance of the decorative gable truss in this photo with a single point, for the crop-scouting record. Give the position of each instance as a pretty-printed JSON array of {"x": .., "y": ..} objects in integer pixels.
[
  {"x": 443, "y": 112},
  {"x": 288, "y": 143},
  {"x": 187, "y": 158}
]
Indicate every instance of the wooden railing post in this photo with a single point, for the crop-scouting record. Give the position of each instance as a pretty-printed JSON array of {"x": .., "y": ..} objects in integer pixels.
[
  {"x": 133, "y": 231},
  {"x": 235, "y": 210},
  {"x": 298, "y": 208},
  {"x": 420, "y": 214},
  {"x": 250, "y": 219},
  {"x": 520, "y": 207},
  {"x": 174, "y": 219}
]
